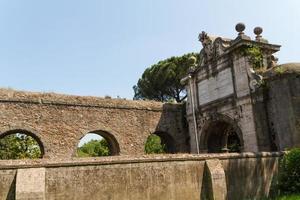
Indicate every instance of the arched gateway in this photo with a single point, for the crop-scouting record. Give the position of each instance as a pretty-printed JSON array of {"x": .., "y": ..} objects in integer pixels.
[
  {"x": 224, "y": 80},
  {"x": 221, "y": 135}
]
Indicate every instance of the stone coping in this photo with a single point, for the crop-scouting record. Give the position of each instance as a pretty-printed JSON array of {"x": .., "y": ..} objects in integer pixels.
[
  {"x": 50, "y": 163},
  {"x": 14, "y": 96},
  {"x": 283, "y": 69},
  {"x": 240, "y": 42}
]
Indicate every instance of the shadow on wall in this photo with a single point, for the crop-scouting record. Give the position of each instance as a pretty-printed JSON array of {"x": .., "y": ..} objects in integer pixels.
[
  {"x": 173, "y": 129},
  {"x": 221, "y": 134},
  {"x": 8, "y": 179},
  {"x": 12, "y": 190},
  {"x": 256, "y": 175},
  {"x": 159, "y": 142}
]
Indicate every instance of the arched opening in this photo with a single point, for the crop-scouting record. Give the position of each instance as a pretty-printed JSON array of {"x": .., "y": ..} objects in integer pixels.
[
  {"x": 159, "y": 142},
  {"x": 20, "y": 144},
  {"x": 96, "y": 144},
  {"x": 221, "y": 136}
]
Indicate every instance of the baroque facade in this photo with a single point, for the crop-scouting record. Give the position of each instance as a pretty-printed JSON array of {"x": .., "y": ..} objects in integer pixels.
[{"x": 239, "y": 99}]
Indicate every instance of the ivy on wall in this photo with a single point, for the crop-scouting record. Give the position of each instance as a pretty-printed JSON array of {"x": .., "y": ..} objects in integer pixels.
[{"x": 254, "y": 53}]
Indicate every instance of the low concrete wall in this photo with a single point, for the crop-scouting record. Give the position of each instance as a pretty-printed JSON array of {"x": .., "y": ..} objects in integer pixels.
[
  {"x": 250, "y": 177},
  {"x": 156, "y": 177}
]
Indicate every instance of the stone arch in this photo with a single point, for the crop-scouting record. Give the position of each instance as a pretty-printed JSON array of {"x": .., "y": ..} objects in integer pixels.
[
  {"x": 167, "y": 140},
  {"x": 218, "y": 132},
  {"x": 28, "y": 132},
  {"x": 113, "y": 145}
]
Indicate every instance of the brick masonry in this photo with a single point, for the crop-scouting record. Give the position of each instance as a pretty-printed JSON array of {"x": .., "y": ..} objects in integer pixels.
[{"x": 60, "y": 121}]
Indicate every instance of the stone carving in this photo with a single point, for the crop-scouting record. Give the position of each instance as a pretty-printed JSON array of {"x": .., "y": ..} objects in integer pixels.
[
  {"x": 207, "y": 52},
  {"x": 213, "y": 116},
  {"x": 212, "y": 47},
  {"x": 272, "y": 61},
  {"x": 219, "y": 46},
  {"x": 201, "y": 122},
  {"x": 255, "y": 79},
  {"x": 237, "y": 115}
]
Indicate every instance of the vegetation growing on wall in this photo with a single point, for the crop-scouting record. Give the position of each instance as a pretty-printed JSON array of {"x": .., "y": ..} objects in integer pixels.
[
  {"x": 19, "y": 146},
  {"x": 279, "y": 70},
  {"x": 254, "y": 53}
]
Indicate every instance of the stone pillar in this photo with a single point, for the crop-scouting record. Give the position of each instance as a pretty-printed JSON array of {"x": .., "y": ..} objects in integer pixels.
[
  {"x": 214, "y": 181},
  {"x": 243, "y": 99},
  {"x": 30, "y": 184},
  {"x": 7, "y": 184}
]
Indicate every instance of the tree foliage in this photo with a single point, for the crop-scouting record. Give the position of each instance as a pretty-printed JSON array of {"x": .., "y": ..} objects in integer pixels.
[
  {"x": 154, "y": 146},
  {"x": 289, "y": 173},
  {"x": 19, "y": 146},
  {"x": 94, "y": 148},
  {"x": 161, "y": 82}
]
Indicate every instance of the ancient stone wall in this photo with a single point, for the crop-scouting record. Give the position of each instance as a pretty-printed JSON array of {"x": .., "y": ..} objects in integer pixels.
[
  {"x": 58, "y": 122},
  {"x": 226, "y": 176},
  {"x": 283, "y": 103}
]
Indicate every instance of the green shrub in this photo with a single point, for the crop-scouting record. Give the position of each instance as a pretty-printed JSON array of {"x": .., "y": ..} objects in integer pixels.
[
  {"x": 94, "y": 148},
  {"x": 255, "y": 55},
  {"x": 289, "y": 173},
  {"x": 154, "y": 146},
  {"x": 19, "y": 146},
  {"x": 289, "y": 197}
]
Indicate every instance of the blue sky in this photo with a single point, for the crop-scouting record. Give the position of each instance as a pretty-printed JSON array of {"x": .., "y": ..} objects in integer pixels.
[{"x": 101, "y": 47}]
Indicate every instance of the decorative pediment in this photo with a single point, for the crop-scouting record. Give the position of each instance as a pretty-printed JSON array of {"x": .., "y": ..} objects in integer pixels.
[{"x": 213, "y": 47}]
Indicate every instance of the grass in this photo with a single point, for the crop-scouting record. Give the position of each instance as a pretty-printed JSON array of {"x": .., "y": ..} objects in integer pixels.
[{"x": 288, "y": 197}]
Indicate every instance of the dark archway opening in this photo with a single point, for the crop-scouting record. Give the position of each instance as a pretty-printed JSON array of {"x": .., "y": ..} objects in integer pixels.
[
  {"x": 20, "y": 144},
  {"x": 96, "y": 144},
  {"x": 223, "y": 137},
  {"x": 159, "y": 142}
]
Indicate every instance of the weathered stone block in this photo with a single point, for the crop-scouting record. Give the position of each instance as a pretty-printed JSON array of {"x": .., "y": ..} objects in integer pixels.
[{"x": 30, "y": 184}]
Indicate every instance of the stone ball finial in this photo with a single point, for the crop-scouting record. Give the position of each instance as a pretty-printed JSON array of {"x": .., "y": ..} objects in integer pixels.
[
  {"x": 240, "y": 27},
  {"x": 258, "y": 30}
]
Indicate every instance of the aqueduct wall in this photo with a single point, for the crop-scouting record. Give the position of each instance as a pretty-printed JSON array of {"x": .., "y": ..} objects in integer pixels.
[{"x": 58, "y": 122}]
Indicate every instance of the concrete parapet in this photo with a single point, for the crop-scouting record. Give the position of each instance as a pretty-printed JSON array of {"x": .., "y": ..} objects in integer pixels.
[
  {"x": 7, "y": 184},
  {"x": 214, "y": 181},
  {"x": 153, "y": 177}
]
